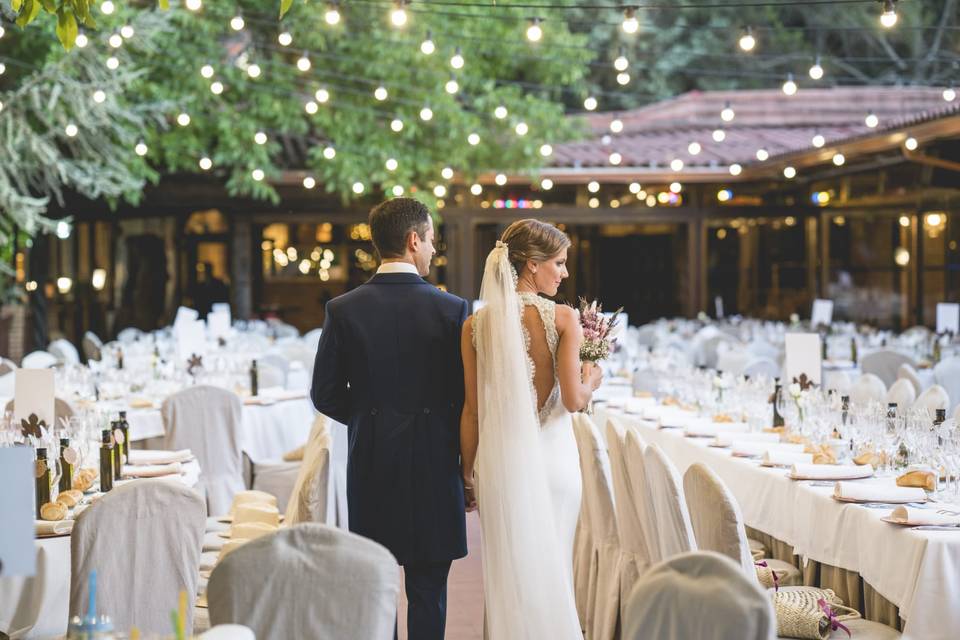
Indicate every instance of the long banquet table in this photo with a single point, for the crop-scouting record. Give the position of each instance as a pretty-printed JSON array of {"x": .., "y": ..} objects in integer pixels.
[{"x": 918, "y": 571}]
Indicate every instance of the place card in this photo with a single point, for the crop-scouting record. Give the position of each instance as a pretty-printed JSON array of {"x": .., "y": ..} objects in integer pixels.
[
  {"x": 218, "y": 324},
  {"x": 224, "y": 308},
  {"x": 822, "y": 313},
  {"x": 17, "y": 554},
  {"x": 948, "y": 317},
  {"x": 803, "y": 357},
  {"x": 34, "y": 395}
]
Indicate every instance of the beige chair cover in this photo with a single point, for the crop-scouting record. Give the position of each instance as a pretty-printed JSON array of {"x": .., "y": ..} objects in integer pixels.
[
  {"x": 884, "y": 364},
  {"x": 936, "y": 397},
  {"x": 906, "y": 372},
  {"x": 868, "y": 388},
  {"x": 715, "y": 516},
  {"x": 312, "y": 498},
  {"x": 902, "y": 393},
  {"x": 699, "y": 595},
  {"x": 603, "y": 603},
  {"x": 207, "y": 420},
  {"x": 308, "y": 581},
  {"x": 6, "y": 366},
  {"x": 947, "y": 375},
  {"x": 634, "y": 554},
  {"x": 672, "y": 518},
  {"x": 38, "y": 360},
  {"x": 633, "y": 449},
  {"x": 92, "y": 346},
  {"x": 64, "y": 351},
  {"x": 143, "y": 539}
]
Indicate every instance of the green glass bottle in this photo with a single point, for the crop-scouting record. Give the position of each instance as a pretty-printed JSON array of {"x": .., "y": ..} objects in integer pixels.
[
  {"x": 42, "y": 479},
  {"x": 106, "y": 460},
  {"x": 66, "y": 467}
]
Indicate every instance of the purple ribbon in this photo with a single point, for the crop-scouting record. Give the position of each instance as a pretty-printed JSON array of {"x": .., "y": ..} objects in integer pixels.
[
  {"x": 831, "y": 617},
  {"x": 776, "y": 581}
]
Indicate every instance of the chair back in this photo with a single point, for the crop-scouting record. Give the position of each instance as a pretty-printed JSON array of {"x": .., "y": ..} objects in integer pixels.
[
  {"x": 312, "y": 499},
  {"x": 758, "y": 367},
  {"x": 38, "y": 360},
  {"x": 629, "y": 524},
  {"x": 597, "y": 481},
  {"x": 633, "y": 449},
  {"x": 947, "y": 375},
  {"x": 884, "y": 364},
  {"x": 715, "y": 516},
  {"x": 868, "y": 388},
  {"x": 902, "y": 393},
  {"x": 7, "y": 366},
  {"x": 936, "y": 397},
  {"x": 64, "y": 351},
  {"x": 674, "y": 531},
  {"x": 92, "y": 346},
  {"x": 129, "y": 335}
]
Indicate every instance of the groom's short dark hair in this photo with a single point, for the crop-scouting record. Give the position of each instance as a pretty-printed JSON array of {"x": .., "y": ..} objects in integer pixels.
[{"x": 392, "y": 220}]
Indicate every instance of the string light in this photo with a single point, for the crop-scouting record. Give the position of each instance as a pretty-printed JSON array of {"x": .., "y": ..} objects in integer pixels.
[
  {"x": 457, "y": 60},
  {"x": 911, "y": 144},
  {"x": 260, "y": 137},
  {"x": 452, "y": 86},
  {"x": 790, "y": 87},
  {"x": 380, "y": 93},
  {"x": 546, "y": 150},
  {"x": 635, "y": 187},
  {"x": 447, "y": 173},
  {"x": 183, "y": 119},
  {"x": 2, "y": 31},
  {"x": 593, "y": 186},
  {"x": 126, "y": 31},
  {"x": 476, "y": 189},
  {"x": 789, "y": 173},
  {"x": 205, "y": 163},
  {"x": 206, "y": 71},
  {"x": 397, "y": 125},
  {"x": 99, "y": 96},
  {"x": 747, "y": 41},
  {"x": 816, "y": 71},
  {"x": 615, "y": 158},
  {"x": 194, "y": 5},
  {"x": 590, "y": 103},
  {"x": 500, "y": 112},
  {"x": 81, "y": 40},
  {"x": 71, "y": 130},
  {"x": 676, "y": 187},
  {"x": 257, "y": 174},
  {"x": 332, "y": 15},
  {"x": 719, "y": 135},
  {"x": 358, "y": 188},
  {"x": 724, "y": 195},
  {"x": 889, "y": 16},
  {"x": 838, "y": 159},
  {"x": 329, "y": 153},
  {"x": 473, "y": 139},
  {"x": 616, "y": 125},
  {"x": 391, "y": 164},
  {"x": 546, "y": 184},
  {"x": 727, "y": 114},
  {"x": 322, "y": 95},
  {"x": 115, "y": 41},
  {"x": 107, "y": 8},
  {"x": 397, "y": 190},
  {"x": 427, "y": 47},
  {"x": 253, "y": 71},
  {"x": 871, "y": 120},
  {"x": 439, "y": 191},
  {"x": 630, "y": 23},
  {"x": 398, "y": 16},
  {"x": 112, "y": 63},
  {"x": 500, "y": 179},
  {"x": 237, "y": 23},
  {"x": 762, "y": 154},
  {"x": 216, "y": 88},
  {"x": 426, "y": 114},
  {"x": 676, "y": 164},
  {"x": 303, "y": 63},
  {"x": 141, "y": 149},
  {"x": 818, "y": 141},
  {"x": 285, "y": 39},
  {"x": 534, "y": 31},
  {"x": 621, "y": 63},
  {"x": 694, "y": 148},
  {"x": 521, "y": 128},
  {"x": 735, "y": 169},
  {"x": 623, "y": 78},
  {"x": 949, "y": 94}
]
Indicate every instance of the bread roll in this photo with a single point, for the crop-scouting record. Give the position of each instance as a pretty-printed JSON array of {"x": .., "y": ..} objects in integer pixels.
[
  {"x": 53, "y": 511},
  {"x": 918, "y": 478},
  {"x": 250, "y": 530},
  {"x": 67, "y": 499}
]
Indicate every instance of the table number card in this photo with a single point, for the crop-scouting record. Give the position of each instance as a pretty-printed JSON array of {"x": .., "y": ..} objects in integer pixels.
[
  {"x": 822, "y": 313},
  {"x": 17, "y": 553},
  {"x": 718, "y": 303},
  {"x": 218, "y": 324},
  {"x": 34, "y": 395},
  {"x": 224, "y": 308},
  {"x": 948, "y": 317},
  {"x": 803, "y": 356}
]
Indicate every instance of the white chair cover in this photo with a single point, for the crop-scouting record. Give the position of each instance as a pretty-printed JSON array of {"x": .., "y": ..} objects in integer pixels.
[
  {"x": 716, "y": 518},
  {"x": 229, "y": 632},
  {"x": 64, "y": 351},
  {"x": 38, "y": 360},
  {"x": 633, "y": 449},
  {"x": 276, "y": 477},
  {"x": 701, "y": 595},
  {"x": 143, "y": 539},
  {"x": 733, "y": 360},
  {"x": 207, "y": 420},
  {"x": 672, "y": 518},
  {"x": 130, "y": 334},
  {"x": 269, "y": 375},
  {"x": 956, "y": 414},
  {"x": 764, "y": 367},
  {"x": 906, "y": 372},
  {"x": 603, "y": 604},
  {"x": 838, "y": 381},
  {"x": 7, "y": 384},
  {"x": 313, "y": 498},
  {"x": 634, "y": 555},
  {"x": 92, "y": 346},
  {"x": 308, "y": 581},
  {"x": 884, "y": 364},
  {"x": 902, "y": 393},
  {"x": 61, "y": 410},
  {"x": 7, "y": 365},
  {"x": 868, "y": 388},
  {"x": 947, "y": 375},
  {"x": 936, "y": 397}
]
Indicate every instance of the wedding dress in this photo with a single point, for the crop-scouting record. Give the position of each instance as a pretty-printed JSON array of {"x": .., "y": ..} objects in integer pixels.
[{"x": 528, "y": 478}]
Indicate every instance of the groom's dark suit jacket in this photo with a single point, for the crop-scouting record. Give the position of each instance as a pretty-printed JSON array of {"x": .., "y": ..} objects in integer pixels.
[{"x": 389, "y": 367}]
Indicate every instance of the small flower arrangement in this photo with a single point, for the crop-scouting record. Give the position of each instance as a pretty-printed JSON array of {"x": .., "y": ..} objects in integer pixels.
[
  {"x": 597, "y": 328},
  {"x": 797, "y": 391}
]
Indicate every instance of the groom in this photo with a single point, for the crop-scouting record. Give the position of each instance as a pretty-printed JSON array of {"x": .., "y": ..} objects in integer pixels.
[{"x": 389, "y": 367}]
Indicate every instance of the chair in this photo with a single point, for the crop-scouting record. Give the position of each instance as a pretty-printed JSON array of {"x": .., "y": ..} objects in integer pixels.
[
  {"x": 701, "y": 595},
  {"x": 62, "y": 410},
  {"x": 311, "y": 581},
  {"x": 906, "y": 372},
  {"x": 884, "y": 364},
  {"x": 936, "y": 397},
  {"x": 64, "y": 351},
  {"x": 902, "y": 393},
  {"x": 733, "y": 360},
  {"x": 633, "y": 448},
  {"x": 956, "y": 414},
  {"x": 207, "y": 420},
  {"x": 129, "y": 335},
  {"x": 143, "y": 539},
  {"x": 8, "y": 384},
  {"x": 39, "y": 360},
  {"x": 674, "y": 530},
  {"x": 92, "y": 346},
  {"x": 838, "y": 381},
  {"x": 313, "y": 498},
  {"x": 634, "y": 554},
  {"x": 947, "y": 375},
  {"x": 270, "y": 375},
  {"x": 868, "y": 388},
  {"x": 765, "y": 367},
  {"x": 7, "y": 366},
  {"x": 312, "y": 338},
  {"x": 603, "y": 604}
]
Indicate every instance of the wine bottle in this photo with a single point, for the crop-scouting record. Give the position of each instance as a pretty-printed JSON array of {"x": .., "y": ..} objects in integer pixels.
[
  {"x": 777, "y": 392},
  {"x": 42, "y": 479},
  {"x": 66, "y": 467},
  {"x": 117, "y": 448},
  {"x": 891, "y": 417},
  {"x": 125, "y": 430},
  {"x": 106, "y": 460},
  {"x": 936, "y": 348},
  {"x": 853, "y": 349},
  {"x": 844, "y": 409},
  {"x": 119, "y": 358},
  {"x": 254, "y": 379}
]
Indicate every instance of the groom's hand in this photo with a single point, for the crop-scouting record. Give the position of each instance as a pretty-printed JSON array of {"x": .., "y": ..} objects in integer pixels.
[{"x": 469, "y": 496}]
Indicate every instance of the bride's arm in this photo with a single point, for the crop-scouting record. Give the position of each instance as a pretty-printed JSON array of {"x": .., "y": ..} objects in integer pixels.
[
  {"x": 469, "y": 420},
  {"x": 577, "y": 380}
]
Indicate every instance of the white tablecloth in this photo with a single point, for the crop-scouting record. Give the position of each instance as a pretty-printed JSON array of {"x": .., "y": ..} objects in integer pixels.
[{"x": 918, "y": 571}]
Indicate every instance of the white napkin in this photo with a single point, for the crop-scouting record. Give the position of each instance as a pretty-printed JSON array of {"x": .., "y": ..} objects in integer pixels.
[
  {"x": 729, "y": 439},
  {"x": 750, "y": 448},
  {"x": 830, "y": 471},
  {"x": 48, "y": 528},
  {"x": 860, "y": 492},
  {"x": 146, "y": 456},
  {"x": 151, "y": 470},
  {"x": 700, "y": 427},
  {"x": 637, "y": 405},
  {"x": 914, "y": 516},
  {"x": 786, "y": 458}
]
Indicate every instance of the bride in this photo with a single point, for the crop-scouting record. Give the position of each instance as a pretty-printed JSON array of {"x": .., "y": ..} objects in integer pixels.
[{"x": 523, "y": 378}]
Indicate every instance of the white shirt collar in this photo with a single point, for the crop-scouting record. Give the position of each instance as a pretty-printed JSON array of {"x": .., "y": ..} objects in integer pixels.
[{"x": 398, "y": 267}]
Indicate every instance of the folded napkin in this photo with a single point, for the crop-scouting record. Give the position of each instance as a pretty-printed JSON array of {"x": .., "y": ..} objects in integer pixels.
[
  {"x": 860, "y": 492},
  {"x": 251, "y": 496},
  {"x": 257, "y": 512},
  {"x": 147, "y": 456},
  {"x": 151, "y": 470},
  {"x": 250, "y": 530},
  {"x": 637, "y": 405},
  {"x": 294, "y": 455},
  {"x": 728, "y": 439},
  {"x": 933, "y": 517},
  {"x": 786, "y": 458},
  {"x": 212, "y": 541},
  {"x": 830, "y": 471},
  {"x": 141, "y": 403},
  {"x": 750, "y": 448},
  {"x": 230, "y": 546},
  {"x": 701, "y": 427},
  {"x": 59, "y": 527}
]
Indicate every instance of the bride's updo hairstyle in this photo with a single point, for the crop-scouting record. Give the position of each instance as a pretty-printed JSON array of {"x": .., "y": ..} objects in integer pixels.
[{"x": 532, "y": 239}]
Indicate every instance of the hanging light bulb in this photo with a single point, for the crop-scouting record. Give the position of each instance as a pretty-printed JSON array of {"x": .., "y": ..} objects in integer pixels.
[
  {"x": 616, "y": 125},
  {"x": 911, "y": 144},
  {"x": 380, "y": 93},
  {"x": 500, "y": 179},
  {"x": 621, "y": 63},
  {"x": 534, "y": 31},
  {"x": 546, "y": 184},
  {"x": 889, "y": 16},
  {"x": 500, "y": 112},
  {"x": 789, "y": 173},
  {"x": 816, "y": 71},
  {"x": 397, "y": 125},
  {"x": 546, "y": 150},
  {"x": 762, "y": 154},
  {"x": 141, "y": 149},
  {"x": 871, "y": 120},
  {"x": 303, "y": 63},
  {"x": 398, "y": 16},
  {"x": 623, "y": 78},
  {"x": 676, "y": 164},
  {"x": 439, "y": 191},
  {"x": 183, "y": 119},
  {"x": 790, "y": 87},
  {"x": 447, "y": 173},
  {"x": 590, "y": 103},
  {"x": 206, "y": 71},
  {"x": 397, "y": 190},
  {"x": 735, "y": 169},
  {"x": 260, "y": 137},
  {"x": 322, "y": 95},
  {"x": 99, "y": 96},
  {"x": 949, "y": 94},
  {"x": 473, "y": 139},
  {"x": 205, "y": 163},
  {"x": 427, "y": 47},
  {"x": 452, "y": 86},
  {"x": 615, "y": 158},
  {"x": 107, "y": 8},
  {"x": 426, "y": 114},
  {"x": 630, "y": 23},
  {"x": 253, "y": 71},
  {"x": 332, "y": 15},
  {"x": 476, "y": 189},
  {"x": 457, "y": 60},
  {"x": 194, "y": 5},
  {"x": 635, "y": 187},
  {"x": 237, "y": 23},
  {"x": 727, "y": 114},
  {"x": 285, "y": 39},
  {"x": 115, "y": 41},
  {"x": 818, "y": 141},
  {"x": 311, "y": 107},
  {"x": 126, "y": 31},
  {"x": 112, "y": 63},
  {"x": 694, "y": 148},
  {"x": 593, "y": 186},
  {"x": 358, "y": 188},
  {"x": 747, "y": 41},
  {"x": 719, "y": 135},
  {"x": 838, "y": 159},
  {"x": 521, "y": 128},
  {"x": 391, "y": 164},
  {"x": 329, "y": 153},
  {"x": 81, "y": 40},
  {"x": 216, "y": 88}
]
